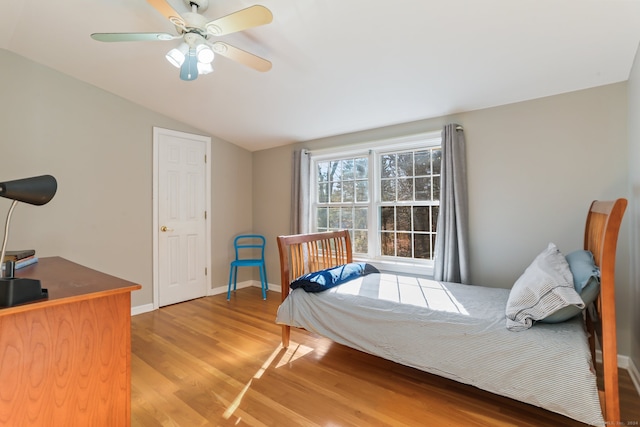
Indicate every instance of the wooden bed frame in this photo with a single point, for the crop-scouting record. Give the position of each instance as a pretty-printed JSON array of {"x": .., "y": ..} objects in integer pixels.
[{"x": 304, "y": 253}]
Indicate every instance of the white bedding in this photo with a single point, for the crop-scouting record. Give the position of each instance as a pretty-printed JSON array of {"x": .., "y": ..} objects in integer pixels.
[{"x": 455, "y": 331}]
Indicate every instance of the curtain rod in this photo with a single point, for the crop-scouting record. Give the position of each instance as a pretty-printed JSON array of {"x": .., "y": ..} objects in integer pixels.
[{"x": 428, "y": 135}]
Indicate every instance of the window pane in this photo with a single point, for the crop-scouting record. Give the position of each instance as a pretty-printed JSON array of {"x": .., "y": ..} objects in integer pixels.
[
  {"x": 388, "y": 244},
  {"x": 405, "y": 164},
  {"x": 347, "y": 218},
  {"x": 436, "y": 157},
  {"x": 323, "y": 193},
  {"x": 334, "y": 218},
  {"x": 435, "y": 210},
  {"x": 360, "y": 218},
  {"x": 436, "y": 188},
  {"x": 362, "y": 191},
  {"x": 405, "y": 189},
  {"x": 360, "y": 243},
  {"x": 388, "y": 190},
  {"x": 388, "y": 165},
  {"x": 387, "y": 218},
  {"x": 421, "y": 220},
  {"x": 423, "y": 189},
  {"x": 321, "y": 221},
  {"x": 347, "y": 169},
  {"x": 423, "y": 166},
  {"x": 362, "y": 168},
  {"x": 348, "y": 191},
  {"x": 403, "y": 219},
  {"x": 335, "y": 170},
  {"x": 336, "y": 192},
  {"x": 403, "y": 245},
  {"x": 323, "y": 168},
  {"x": 421, "y": 247}
]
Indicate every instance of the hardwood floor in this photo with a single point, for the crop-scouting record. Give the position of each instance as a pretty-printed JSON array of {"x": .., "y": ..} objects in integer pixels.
[{"x": 210, "y": 362}]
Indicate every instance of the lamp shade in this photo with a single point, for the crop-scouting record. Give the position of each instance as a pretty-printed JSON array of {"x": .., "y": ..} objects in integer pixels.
[{"x": 37, "y": 190}]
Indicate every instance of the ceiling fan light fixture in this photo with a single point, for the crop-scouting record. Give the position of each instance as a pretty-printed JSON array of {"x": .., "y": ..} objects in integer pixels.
[
  {"x": 196, "y": 53},
  {"x": 177, "y": 55},
  {"x": 204, "y": 68},
  {"x": 205, "y": 54}
]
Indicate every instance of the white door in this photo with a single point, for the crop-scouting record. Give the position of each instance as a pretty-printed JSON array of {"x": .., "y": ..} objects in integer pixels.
[{"x": 181, "y": 242}]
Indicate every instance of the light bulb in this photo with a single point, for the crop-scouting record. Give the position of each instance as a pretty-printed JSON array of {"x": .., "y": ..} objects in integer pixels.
[
  {"x": 205, "y": 54},
  {"x": 176, "y": 55},
  {"x": 204, "y": 68}
]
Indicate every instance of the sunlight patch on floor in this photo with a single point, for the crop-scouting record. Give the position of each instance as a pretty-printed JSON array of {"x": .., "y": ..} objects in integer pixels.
[{"x": 292, "y": 353}]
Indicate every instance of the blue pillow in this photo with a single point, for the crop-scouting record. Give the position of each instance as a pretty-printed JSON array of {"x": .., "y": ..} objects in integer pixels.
[
  {"x": 586, "y": 281},
  {"x": 583, "y": 268},
  {"x": 322, "y": 280}
]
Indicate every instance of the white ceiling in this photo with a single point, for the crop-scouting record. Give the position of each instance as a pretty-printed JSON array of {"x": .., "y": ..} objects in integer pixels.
[{"x": 339, "y": 66}]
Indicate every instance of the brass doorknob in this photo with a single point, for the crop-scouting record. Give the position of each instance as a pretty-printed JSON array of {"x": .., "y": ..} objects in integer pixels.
[{"x": 164, "y": 228}]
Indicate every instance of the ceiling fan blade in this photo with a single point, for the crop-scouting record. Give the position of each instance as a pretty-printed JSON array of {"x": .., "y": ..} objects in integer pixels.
[
  {"x": 241, "y": 56},
  {"x": 241, "y": 20},
  {"x": 132, "y": 37},
  {"x": 169, "y": 12}
]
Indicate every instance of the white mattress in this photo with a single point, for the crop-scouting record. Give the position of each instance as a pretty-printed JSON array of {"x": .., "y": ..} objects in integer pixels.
[{"x": 458, "y": 332}]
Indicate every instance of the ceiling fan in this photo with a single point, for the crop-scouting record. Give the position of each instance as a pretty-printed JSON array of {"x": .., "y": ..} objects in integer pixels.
[{"x": 196, "y": 52}]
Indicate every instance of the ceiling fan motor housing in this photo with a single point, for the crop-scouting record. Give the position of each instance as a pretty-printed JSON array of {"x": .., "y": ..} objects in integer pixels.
[{"x": 192, "y": 39}]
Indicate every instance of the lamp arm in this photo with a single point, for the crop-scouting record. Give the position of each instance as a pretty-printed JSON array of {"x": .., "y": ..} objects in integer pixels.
[{"x": 6, "y": 235}]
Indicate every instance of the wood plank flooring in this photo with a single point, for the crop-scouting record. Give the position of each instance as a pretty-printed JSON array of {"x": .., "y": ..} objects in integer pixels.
[{"x": 209, "y": 362}]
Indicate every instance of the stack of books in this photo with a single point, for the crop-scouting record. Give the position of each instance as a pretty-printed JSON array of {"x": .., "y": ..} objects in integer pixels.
[{"x": 21, "y": 258}]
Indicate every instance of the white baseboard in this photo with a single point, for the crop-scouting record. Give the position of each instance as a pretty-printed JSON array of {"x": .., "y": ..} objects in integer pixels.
[
  {"x": 273, "y": 288},
  {"x": 223, "y": 289},
  {"x": 623, "y": 361},
  {"x": 139, "y": 309}
]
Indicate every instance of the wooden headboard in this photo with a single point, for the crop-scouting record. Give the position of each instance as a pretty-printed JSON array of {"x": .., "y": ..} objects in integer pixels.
[
  {"x": 304, "y": 253},
  {"x": 601, "y": 238}
]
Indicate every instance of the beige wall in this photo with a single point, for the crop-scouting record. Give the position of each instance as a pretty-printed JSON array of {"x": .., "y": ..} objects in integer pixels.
[
  {"x": 634, "y": 208},
  {"x": 99, "y": 148},
  {"x": 534, "y": 168}
]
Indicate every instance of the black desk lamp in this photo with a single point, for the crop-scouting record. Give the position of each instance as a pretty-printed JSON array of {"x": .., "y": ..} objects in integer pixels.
[{"x": 36, "y": 191}]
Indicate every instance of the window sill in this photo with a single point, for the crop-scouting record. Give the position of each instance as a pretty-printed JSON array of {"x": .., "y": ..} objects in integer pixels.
[{"x": 396, "y": 267}]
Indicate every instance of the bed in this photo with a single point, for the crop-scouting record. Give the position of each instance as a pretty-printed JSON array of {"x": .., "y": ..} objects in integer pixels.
[{"x": 459, "y": 331}]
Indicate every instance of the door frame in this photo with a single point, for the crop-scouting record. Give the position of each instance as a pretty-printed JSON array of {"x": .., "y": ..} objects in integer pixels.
[{"x": 207, "y": 203}]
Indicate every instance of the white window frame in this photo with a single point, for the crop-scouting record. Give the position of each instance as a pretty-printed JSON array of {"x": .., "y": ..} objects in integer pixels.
[{"x": 373, "y": 150}]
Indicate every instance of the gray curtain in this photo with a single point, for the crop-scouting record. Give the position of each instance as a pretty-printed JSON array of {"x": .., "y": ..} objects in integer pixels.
[
  {"x": 300, "y": 192},
  {"x": 451, "y": 260}
]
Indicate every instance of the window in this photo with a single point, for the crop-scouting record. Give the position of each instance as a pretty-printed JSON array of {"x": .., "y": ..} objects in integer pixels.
[{"x": 387, "y": 195}]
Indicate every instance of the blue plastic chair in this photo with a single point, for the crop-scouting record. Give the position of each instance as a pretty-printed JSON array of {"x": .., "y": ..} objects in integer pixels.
[{"x": 245, "y": 245}]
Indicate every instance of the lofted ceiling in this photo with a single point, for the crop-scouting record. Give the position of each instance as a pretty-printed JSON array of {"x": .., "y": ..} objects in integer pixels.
[{"x": 339, "y": 66}]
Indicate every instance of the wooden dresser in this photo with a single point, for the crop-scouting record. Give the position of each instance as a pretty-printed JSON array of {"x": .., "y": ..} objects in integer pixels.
[{"x": 66, "y": 360}]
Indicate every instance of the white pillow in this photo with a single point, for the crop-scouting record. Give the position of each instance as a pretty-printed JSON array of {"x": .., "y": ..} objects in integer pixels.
[{"x": 545, "y": 287}]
